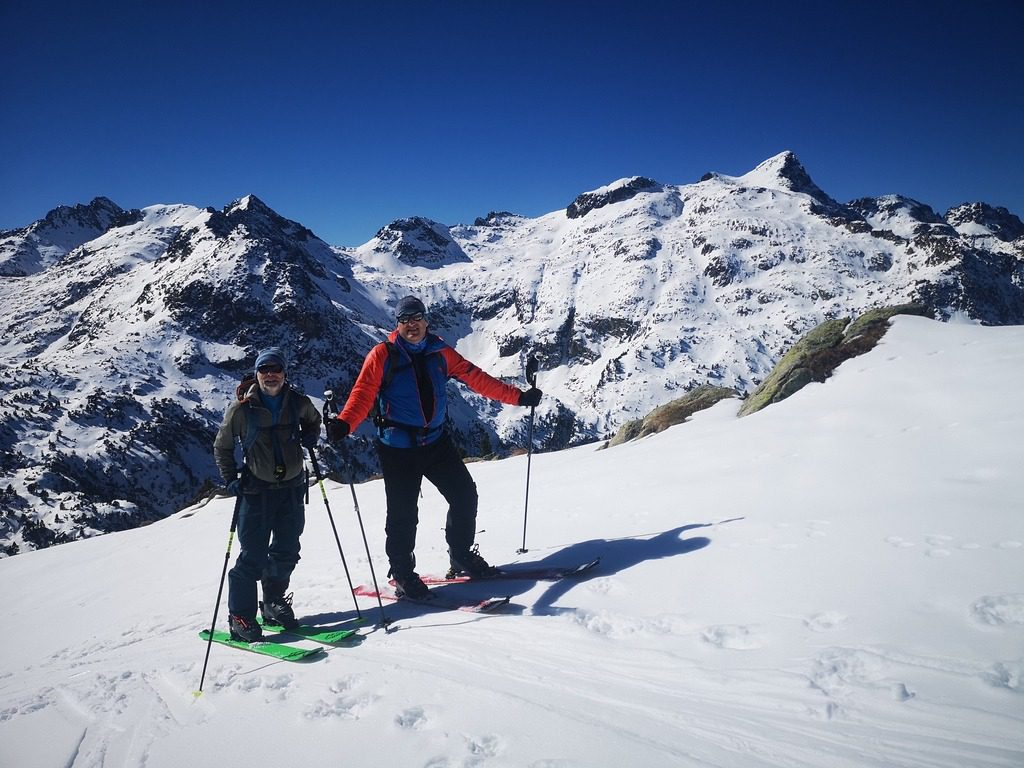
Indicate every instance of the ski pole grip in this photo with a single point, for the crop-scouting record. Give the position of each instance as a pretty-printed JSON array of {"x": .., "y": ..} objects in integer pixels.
[
  {"x": 329, "y": 403},
  {"x": 531, "y": 370}
]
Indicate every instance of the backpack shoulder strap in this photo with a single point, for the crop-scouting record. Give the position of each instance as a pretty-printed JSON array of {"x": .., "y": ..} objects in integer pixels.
[
  {"x": 293, "y": 395},
  {"x": 390, "y": 368},
  {"x": 394, "y": 359},
  {"x": 252, "y": 428}
]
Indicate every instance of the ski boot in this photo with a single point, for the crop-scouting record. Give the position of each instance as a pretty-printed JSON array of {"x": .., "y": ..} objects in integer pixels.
[
  {"x": 470, "y": 563},
  {"x": 246, "y": 630},
  {"x": 411, "y": 585},
  {"x": 276, "y": 606}
]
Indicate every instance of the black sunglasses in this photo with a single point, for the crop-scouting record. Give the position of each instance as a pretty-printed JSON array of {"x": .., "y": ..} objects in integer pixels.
[
  {"x": 270, "y": 368},
  {"x": 411, "y": 318}
]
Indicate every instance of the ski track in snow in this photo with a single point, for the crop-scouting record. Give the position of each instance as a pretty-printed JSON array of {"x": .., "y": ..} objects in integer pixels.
[{"x": 669, "y": 695}]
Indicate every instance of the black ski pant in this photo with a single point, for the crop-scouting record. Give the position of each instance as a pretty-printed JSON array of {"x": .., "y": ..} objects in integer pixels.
[{"x": 404, "y": 470}]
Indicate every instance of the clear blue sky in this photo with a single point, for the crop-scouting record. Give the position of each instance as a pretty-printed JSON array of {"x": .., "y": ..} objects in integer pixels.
[{"x": 345, "y": 116}]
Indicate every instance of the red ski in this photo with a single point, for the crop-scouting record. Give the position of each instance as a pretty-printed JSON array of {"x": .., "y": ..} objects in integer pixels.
[
  {"x": 524, "y": 572},
  {"x": 440, "y": 602}
]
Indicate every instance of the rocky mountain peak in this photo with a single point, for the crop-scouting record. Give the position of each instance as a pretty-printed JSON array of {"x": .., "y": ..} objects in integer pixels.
[
  {"x": 250, "y": 203},
  {"x": 44, "y": 242},
  {"x": 889, "y": 206},
  {"x": 616, "y": 192},
  {"x": 902, "y": 216},
  {"x": 96, "y": 215},
  {"x": 984, "y": 220},
  {"x": 785, "y": 171},
  {"x": 258, "y": 220},
  {"x": 418, "y": 241},
  {"x": 496, "y": 218}
]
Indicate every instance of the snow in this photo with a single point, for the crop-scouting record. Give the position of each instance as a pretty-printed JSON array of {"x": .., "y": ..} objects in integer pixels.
[{"x": 837, "y": 580}]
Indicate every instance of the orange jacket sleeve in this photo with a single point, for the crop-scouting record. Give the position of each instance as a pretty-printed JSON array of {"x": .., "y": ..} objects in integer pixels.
[
  {"x": 480, "y": 382},
  {"x": 364, "y": 391}
]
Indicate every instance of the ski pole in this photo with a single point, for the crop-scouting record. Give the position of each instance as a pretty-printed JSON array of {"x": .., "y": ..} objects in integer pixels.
[
  {"x": 327, "y": 506},
  {"x": 329, "y": 403},
  {"x": 531, "y": 379},
  {"x": 220, "y": 589}
]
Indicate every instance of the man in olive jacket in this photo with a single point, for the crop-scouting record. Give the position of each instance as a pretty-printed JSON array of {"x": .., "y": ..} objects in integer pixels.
[{"x": 273, "y": 422}]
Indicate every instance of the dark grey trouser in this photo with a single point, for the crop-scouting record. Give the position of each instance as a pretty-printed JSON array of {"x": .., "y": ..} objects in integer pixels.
[{"x": 270, "y": 523}]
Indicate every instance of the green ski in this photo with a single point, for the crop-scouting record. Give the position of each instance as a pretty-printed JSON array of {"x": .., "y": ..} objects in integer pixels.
[
  {"x": 277, "y": 650},
  {"x": 317, "y": 634}
]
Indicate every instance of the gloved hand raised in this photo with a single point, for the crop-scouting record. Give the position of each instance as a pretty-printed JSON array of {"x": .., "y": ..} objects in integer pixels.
[
  {"x": 337, "y": 430},
  {"x": 530, "y": 397}
]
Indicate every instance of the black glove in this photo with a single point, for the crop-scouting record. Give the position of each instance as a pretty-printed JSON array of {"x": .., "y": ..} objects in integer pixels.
[
  {"x": 530, "y": 397},
  {"x": 234, "y": 488},
  {"x": 337, "y": 430},
  {"x": 308, "y": 437}
]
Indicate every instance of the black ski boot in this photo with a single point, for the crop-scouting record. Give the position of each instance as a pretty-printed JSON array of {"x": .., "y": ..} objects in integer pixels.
[
  {"x": 246, "y": 630},
  {"x": 410, "y": 585},
  {"x": 471, "y": 564},
  {"x": 276, "y": 607}
]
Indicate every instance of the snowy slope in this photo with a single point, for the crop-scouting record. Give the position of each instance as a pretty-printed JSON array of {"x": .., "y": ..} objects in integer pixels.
[{"x": 837, "y": 580}]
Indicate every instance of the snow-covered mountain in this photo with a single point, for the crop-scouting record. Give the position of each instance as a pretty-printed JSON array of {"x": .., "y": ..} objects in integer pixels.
[
  {"x": 126, "y": 331},
  {"x": 43, "y": 243}
]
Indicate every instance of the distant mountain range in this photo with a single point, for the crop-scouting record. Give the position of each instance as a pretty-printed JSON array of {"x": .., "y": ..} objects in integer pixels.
[{"x": 125, "y": 331}]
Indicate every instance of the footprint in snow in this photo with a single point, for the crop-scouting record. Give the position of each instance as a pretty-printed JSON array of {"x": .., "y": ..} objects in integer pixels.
[
  {"x": 733, "y": 637},
  {"x": 487, "y": 746},
  {"x": 413, "y": 718},
  {"x": 899, "y": 541},
  {"x": 825, "y": 621},
  {"x": 343, "y": 707},
  {"x": 838, "y": 671},
  {"x": 999, "y": 610},
  {"x": 1006, "y": 674}
]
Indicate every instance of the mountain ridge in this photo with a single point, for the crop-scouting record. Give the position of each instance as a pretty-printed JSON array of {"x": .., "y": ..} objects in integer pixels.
[{"x": 123, "y": 351}]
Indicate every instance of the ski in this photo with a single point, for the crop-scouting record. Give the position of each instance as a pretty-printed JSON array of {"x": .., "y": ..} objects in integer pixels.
[
  {"x": 525, "y": 573},
  {"x": 440, "y": 602},
  {"x": 317, "y": 634},
  {"x": 277, "y": 650}
]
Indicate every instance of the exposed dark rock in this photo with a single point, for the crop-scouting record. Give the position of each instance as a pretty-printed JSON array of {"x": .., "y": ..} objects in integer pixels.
[
  {"x": 496, "y": 218},
  {"x": 590, "y": 201}
]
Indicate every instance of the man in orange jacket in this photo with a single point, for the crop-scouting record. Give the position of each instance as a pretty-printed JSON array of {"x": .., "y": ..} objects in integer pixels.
[{"x": 404, "y": 381}]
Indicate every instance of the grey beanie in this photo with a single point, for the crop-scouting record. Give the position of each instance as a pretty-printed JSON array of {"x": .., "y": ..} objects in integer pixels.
[{"x": 270, "y": 355}]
